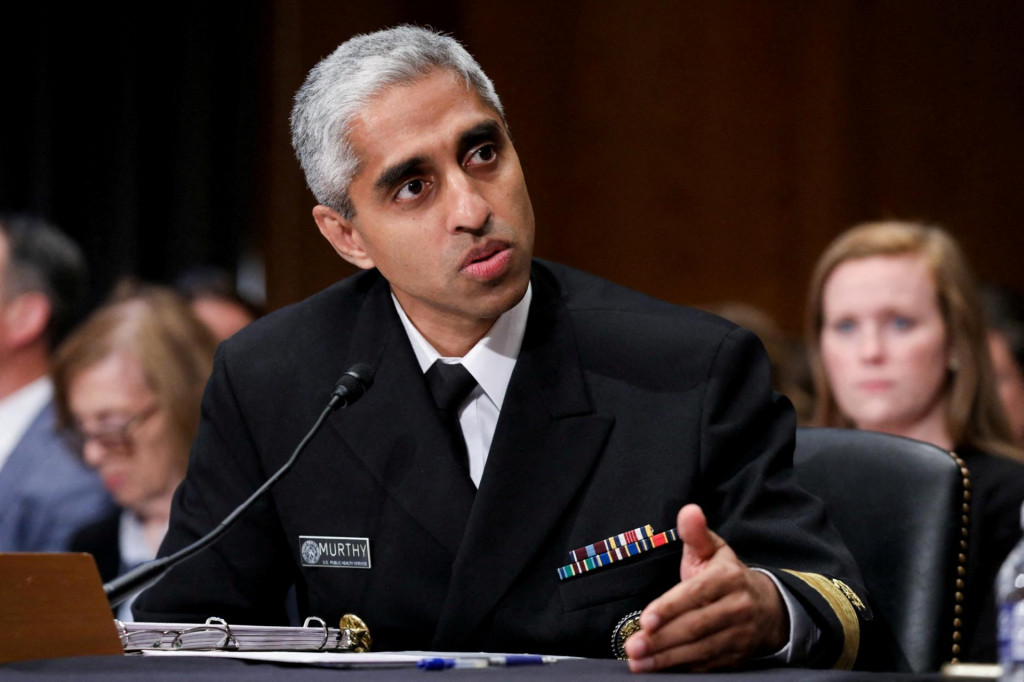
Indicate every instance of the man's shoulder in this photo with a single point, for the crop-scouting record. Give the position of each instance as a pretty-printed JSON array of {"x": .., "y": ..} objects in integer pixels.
[
  {"x": 46, "y": 492},
  {"x": 616, "y": 330},
  {"x": 332, "y": 309},
  {"x": 596, "y": 304},
  {"x": 50, "y": 469}
]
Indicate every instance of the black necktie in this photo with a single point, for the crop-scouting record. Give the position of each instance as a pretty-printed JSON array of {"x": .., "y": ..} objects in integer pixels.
[{"x": 451, "y": 385}]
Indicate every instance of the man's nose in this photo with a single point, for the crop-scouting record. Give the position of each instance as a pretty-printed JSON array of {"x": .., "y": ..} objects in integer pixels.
[{"x": 469, "y": 210}]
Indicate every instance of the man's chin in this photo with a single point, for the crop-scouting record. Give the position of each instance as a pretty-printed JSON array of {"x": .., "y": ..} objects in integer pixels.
[{"x": 505, "y": 296}]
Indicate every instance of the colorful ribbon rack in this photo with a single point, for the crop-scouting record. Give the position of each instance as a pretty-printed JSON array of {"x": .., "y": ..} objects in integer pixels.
[{"x": 622, "y": 551}]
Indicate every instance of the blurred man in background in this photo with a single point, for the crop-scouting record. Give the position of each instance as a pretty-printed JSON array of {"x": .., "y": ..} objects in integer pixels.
[{"x": 46, "y": 493}]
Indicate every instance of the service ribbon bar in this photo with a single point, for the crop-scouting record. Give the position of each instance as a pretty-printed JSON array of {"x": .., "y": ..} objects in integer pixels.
[
  {"x": 641, "y": 545},
  {"x": 608, "y": 544}
]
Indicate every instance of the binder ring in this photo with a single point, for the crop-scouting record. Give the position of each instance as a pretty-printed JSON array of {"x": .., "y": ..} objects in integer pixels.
[
  {"x": 228, "y": 643},
  {"x": 323, "y": 625}
]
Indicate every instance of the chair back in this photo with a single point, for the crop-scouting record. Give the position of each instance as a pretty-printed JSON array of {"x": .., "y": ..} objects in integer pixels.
[{"x": 901, "y": 507}]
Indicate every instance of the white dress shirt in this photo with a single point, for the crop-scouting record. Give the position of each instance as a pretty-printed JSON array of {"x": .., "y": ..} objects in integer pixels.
[{"x": 491, "y": 362}]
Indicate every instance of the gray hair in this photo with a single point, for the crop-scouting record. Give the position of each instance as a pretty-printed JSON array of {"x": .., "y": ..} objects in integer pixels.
[{"x": 338, "y": 88}]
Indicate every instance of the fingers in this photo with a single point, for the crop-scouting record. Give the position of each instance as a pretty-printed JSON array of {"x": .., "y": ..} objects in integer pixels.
[
  {"x": 717, "y": 623},
  {"x": 699, "y": 590},
  {"x": 700, "y": 546},
  {"x": 693, "y": 531},
  {"x": 699, "y": 543},
  {"x": 726, "y": 647}
]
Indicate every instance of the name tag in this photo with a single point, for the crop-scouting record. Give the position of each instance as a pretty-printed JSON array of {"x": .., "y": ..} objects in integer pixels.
[{"x": 329, "y": 552}]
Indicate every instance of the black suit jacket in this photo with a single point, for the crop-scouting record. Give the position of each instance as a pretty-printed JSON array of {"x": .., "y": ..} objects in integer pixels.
[{"x": 620, "y": 410}]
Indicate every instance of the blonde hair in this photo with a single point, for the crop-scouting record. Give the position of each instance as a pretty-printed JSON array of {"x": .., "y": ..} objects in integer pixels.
[
  {"x": 174, "y": 349},
  {"x": 974, "y": 416}
]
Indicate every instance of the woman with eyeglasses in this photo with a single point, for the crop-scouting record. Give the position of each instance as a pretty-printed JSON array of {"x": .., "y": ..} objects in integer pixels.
[
  {"x": 898, "y": 344},
  {"x": 128, "y": 383}
]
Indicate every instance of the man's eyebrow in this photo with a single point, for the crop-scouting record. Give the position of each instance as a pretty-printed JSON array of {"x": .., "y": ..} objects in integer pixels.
[
  {"x": 392, "y": 174},
  {"x": 485, "y": 130}
]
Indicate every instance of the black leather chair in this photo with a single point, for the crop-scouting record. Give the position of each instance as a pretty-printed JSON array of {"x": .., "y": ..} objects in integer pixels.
[{"x": 900, "y": 506}]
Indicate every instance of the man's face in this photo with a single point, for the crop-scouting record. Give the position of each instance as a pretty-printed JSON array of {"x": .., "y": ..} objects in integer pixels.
[{"x": 441, "y": 204}]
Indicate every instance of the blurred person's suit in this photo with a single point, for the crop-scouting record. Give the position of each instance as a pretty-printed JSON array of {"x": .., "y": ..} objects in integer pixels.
[{"x": 46, "y": 493}]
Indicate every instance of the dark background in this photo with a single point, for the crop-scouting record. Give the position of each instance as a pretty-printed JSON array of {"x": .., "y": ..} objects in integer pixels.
[{"x": 697, "y": 151}]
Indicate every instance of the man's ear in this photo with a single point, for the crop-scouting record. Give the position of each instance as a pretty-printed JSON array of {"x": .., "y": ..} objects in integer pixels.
[
  {"x": 26, "y": 318},
  {"x": 342, "y": 235}
]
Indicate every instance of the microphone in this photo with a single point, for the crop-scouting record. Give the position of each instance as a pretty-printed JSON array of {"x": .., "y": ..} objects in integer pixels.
[{"x": 352, "y": 386}]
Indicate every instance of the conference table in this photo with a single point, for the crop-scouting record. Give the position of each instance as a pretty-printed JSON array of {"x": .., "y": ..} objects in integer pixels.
[{"x": 199, "y": 669}]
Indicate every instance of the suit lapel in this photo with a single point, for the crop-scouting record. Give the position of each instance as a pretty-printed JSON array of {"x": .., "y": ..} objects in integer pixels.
[
  {"x": 546, "y": 442},
  {"x": 16, "y": 473},
  {"x": 12, "y": 478},
  {"x": 24, "y": 457},
  {"x": 394, "y": 429}
]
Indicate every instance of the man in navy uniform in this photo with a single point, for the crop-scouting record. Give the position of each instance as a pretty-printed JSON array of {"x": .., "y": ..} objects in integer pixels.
[{"x": 581, "y": 411}]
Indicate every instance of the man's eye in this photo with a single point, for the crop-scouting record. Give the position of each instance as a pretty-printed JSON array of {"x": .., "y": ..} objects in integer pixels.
[
  {"x": 411, "y": 190},
  {"x": 484, "y": 154}
]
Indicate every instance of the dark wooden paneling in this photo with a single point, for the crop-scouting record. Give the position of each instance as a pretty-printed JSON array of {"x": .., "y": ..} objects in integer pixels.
[{"x": 708, "y": 151}]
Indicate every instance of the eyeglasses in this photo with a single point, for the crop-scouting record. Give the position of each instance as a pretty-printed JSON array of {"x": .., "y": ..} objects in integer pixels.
[{"x": 114, "y": 435}]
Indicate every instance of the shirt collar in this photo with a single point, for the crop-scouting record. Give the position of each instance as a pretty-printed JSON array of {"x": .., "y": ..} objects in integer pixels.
[{"x": 492, "y": 359}]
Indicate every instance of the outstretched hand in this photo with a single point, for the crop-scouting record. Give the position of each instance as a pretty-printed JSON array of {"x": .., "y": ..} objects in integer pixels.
[{"x": 720, "y": 614}]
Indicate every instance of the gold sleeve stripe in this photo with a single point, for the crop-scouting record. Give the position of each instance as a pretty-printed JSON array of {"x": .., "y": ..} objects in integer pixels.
[{"x": 844, "y": 611}]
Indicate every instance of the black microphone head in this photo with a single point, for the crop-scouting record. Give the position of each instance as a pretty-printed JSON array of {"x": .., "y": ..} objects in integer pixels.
[{"x": 353, "y": 385}]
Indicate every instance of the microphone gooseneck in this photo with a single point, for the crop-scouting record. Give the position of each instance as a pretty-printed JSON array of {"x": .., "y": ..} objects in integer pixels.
[{"x": 352, "y": 386}]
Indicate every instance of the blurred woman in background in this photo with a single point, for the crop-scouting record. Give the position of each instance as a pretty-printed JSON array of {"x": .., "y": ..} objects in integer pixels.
[
  {"x": 1004, "y": 310},
  {"x": 128, "y": 383},
  {"x": 898, "y": 344}
]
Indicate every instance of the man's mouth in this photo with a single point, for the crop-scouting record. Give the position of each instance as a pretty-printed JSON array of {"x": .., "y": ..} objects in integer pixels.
[{"x": 487, "y": 261}]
